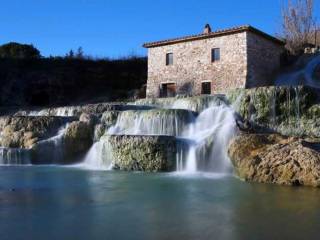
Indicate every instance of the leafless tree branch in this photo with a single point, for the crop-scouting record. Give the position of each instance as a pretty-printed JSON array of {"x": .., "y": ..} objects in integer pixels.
[{"x": 298, "y": 24}]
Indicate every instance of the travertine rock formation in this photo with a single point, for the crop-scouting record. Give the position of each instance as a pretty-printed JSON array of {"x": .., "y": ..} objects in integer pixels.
[
  {"x": 143, "y": 153},
  {"x": 275, "y": 159}
]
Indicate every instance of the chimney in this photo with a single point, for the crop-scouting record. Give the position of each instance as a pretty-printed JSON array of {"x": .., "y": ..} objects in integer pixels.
[{"x": 207, "y": 29}]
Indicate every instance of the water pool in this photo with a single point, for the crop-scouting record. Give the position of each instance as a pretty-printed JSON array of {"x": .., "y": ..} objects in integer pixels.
[{"x": 70, "y": 203}]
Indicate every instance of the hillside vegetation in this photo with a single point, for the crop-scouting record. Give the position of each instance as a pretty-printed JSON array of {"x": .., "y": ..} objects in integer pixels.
[{"x": 32, "y": 80}]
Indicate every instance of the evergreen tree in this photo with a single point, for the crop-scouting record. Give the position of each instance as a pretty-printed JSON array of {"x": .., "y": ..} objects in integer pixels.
[
  {"x": 80, "y": 54},
  {"x": 70, "y": 54}
]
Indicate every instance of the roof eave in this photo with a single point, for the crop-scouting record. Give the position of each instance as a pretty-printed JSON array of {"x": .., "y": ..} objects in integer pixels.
[{"x": 212, "y": 35}]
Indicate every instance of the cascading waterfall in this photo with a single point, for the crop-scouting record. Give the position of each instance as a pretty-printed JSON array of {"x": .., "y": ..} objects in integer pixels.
[
  {"x": 207, "y": 140},
  {"x": 14, "y": 156},
  {"x": 66, "y": 111},
  {"x": 99, "y": 156},
  {"x": 152, "y": 122},
  {"x": 202, "y": 141},
  {"x": 302, "y": 76},
  {"x": 59, "y": 112},
  {"x": 51, "y": 151}
]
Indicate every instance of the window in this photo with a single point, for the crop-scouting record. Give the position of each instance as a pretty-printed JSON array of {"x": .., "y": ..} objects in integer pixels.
[
  {"x": 215, "y": 54},
  {"x": 168, "y": 90},
  {"x": 206, "y": 88},
  {"x": 169, "y": 59}
]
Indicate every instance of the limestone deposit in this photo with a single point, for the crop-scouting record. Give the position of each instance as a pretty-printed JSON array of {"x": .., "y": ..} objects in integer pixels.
[
  {"x": 143, "y": 153},
  {"x": 271, "y": 158}
]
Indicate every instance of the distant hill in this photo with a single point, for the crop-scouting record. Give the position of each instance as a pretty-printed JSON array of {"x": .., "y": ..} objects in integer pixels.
[{"x": 38, "y": 81}]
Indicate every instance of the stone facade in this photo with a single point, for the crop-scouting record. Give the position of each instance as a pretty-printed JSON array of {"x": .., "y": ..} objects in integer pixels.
[
  {"x": 263, "y": 60},
  {"x": 247, "y": 59}
]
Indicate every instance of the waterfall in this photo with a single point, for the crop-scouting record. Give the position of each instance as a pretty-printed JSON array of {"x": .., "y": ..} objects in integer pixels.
[
  {"x": 99, "y": 156},
  {"x": 202, "y": 140},
  {"x": 66, "y": 111},
  {"x": 152, "y": 122},
  {"x": 207, "y": 139},
  {"x": 50, "y": 151},
  {"x": 302, "y": 76},
  {"x": 58, "y": 112},
  {"x": 43, "y": 112},
  {"x": 14, "y": 156}
]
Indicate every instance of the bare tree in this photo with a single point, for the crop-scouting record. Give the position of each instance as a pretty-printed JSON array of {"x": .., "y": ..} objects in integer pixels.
[
  {"x": 316, "y": 36},
  {"x": 298, "y": 24}
]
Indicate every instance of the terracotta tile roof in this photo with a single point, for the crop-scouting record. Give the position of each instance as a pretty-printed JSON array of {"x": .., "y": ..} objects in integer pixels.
[{"x": 214, "y": 34}]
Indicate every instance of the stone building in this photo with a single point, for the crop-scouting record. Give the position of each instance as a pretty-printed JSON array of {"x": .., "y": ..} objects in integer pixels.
[{"x": 212, "y": 62}]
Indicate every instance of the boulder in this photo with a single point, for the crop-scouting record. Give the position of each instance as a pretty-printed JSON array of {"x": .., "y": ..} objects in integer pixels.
[
  {"x": 271, "y": 158},
  {"x": 143, "y": 153},
  {"x": 99, "y": 131},
  {"x": 109, "y": 118},
  {"x": 78, "y": 139},
  {"x": 88, "y": 118},
  {"x": 24, "y": 132}
]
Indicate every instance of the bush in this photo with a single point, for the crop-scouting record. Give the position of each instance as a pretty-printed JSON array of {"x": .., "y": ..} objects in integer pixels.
[{"x": 17, "y": 50}]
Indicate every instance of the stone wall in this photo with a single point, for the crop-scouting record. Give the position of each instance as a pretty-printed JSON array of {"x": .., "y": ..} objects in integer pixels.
[
  {"x": 263, "y": 60},
  {"x": 192, "y": 65},
  {"x": 246, "y": 60}
]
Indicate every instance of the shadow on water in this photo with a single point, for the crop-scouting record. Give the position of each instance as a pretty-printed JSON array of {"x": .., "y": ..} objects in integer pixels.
[{"x": 64, "y": 203}]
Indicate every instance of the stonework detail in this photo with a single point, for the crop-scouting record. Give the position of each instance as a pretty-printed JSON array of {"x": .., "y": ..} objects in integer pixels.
[
  {"x": 246, "y": 60},
  {"x": 263, "y": 60}
]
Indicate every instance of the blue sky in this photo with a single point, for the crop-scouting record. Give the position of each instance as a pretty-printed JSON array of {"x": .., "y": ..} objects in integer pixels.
[{"x": 116, "y": 28}]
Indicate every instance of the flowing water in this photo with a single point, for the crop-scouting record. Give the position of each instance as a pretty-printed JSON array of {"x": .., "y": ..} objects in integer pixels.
[
  {"x": 63, "y": 203},
  {"x": 99, "y": 157},
  {"x": 48, "y": 151},
  {"x": 14, "y": 156},
  {"x": 302, "y": 76},
  {"x": 208, "y": 138},
  {"x": 202, "y": 141},
  {"x": 170, "y": 122},
  {"x": 51, "y": 151}
]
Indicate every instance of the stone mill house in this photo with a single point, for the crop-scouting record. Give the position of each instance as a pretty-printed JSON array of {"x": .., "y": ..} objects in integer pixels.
[{"x": 212, "y": 62}]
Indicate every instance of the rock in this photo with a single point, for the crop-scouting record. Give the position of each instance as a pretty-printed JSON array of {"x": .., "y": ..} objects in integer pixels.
[
  {"x": 24, "y": 132},
  {"x": 109, "y": 118},
  {"x": 88, "y": 118},
  {"x": 99, "y": 131},
  {"x": 275, "y": 159},
  {"x": 76, "y": 111},
  {"x": 143, "y": 153},
  {"x": 78, "y": 139},
  {"x": 291, "y": 111}
]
